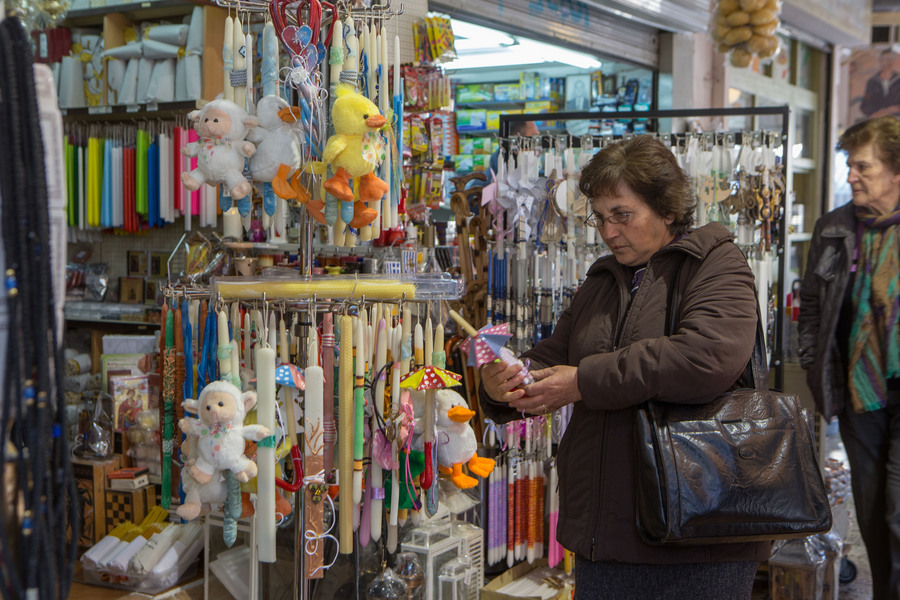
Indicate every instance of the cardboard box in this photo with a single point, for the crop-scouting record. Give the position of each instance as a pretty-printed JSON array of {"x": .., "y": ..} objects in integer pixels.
[
  {"x": 475, "y": 92},
  {"x": 129, "y": 505},
  {"x": 90, "y": 479},
  {"x": 489, "y": 591},
  {"x": 507, "y": 92},
  {"x": 471, "y": 120}
]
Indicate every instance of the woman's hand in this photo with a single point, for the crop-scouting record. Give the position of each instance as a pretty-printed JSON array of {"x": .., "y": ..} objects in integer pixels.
[
  {"x": 501, "y": 381},
  {"x": 553, "y": 388}
]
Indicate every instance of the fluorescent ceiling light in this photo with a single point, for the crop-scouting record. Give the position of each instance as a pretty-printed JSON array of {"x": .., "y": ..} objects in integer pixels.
[{"x": 478, "y": 47}]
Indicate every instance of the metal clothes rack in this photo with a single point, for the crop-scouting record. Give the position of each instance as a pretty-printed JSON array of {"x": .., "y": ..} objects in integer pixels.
[{"x": 777, "y": 349}]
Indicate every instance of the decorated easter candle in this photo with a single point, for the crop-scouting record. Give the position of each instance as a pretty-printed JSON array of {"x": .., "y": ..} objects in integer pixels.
[{"x": 265, "y": 454}]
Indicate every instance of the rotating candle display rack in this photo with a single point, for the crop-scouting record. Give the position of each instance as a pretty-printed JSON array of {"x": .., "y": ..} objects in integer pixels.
[{"x": 252, "y": 304}]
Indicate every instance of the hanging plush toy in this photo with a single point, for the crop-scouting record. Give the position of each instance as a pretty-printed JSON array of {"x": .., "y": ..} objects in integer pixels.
[
  {"x": 221, "y": 432},
  {"x": 278, "y": 154},
  {"x": 355, "y": 151},
  {"x": 455, "y": 438},
  {"x": 223, "y": 127}
]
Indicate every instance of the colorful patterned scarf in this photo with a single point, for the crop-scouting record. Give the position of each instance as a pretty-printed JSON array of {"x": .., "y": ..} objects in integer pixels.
[{"x": 875, "y": 334}]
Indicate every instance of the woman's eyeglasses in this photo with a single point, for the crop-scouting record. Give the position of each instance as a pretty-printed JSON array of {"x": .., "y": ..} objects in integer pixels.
[{"x": 619, "y": 218}]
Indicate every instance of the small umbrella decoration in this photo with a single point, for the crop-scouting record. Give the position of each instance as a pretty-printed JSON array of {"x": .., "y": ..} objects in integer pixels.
[
  {"x": 488, "y": 344},
  {"x": 430, "y": 379},
  {"x": 291, "y": 376}
]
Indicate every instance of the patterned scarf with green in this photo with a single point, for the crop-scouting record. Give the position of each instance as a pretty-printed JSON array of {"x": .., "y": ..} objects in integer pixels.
[{"x": 875, "y": 334}]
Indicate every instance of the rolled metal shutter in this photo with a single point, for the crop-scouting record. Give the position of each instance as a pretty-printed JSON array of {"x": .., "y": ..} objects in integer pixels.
[{"x": 568, "y": 23}]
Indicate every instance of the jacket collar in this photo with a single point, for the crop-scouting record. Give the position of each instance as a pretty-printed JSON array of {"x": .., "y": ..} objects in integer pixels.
[
  {"x": 841, "y": 222},
  {"x": 697, "y": 243}
]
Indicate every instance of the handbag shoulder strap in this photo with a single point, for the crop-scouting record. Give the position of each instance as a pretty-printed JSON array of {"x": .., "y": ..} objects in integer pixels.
[{"x": 756, "y": 373}]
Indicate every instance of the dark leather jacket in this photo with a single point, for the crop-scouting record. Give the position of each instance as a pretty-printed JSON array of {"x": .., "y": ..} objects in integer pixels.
[
  {"x": 821, "y": 295},
  {"x": 624, "y": 359}
]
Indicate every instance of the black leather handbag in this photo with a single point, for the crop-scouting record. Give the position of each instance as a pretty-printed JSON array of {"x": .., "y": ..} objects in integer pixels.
[{"x": 741, "y": 468}]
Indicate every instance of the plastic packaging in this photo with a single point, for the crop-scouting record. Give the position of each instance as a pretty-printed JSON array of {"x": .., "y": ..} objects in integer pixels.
[
  {"x": 387, "y": 586},
  {"x": 410, "y": 571},
  {"x": 431, "y": 286}
]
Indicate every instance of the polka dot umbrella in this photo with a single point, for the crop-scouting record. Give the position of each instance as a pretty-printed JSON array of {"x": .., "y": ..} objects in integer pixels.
[
  {"x": 430, "y": 379},
  {"x": 486, "y": 344},
  {"x": 291, "y": 376}
]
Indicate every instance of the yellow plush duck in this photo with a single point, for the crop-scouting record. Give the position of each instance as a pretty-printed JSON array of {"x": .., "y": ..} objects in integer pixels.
[
  {"x": 355, "y": 150},
  {"x": 459, "y": 445}
]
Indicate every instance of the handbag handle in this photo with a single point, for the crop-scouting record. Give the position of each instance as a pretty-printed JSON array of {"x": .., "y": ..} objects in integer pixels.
[{"x": 756, "y": 373}]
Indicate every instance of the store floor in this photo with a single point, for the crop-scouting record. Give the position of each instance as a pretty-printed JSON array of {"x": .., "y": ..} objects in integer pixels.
[{"x": 861, "y": 587}]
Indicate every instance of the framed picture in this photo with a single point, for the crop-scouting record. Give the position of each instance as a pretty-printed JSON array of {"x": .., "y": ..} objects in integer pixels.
[
  {"x": 151, "y": 290},
  {"x": 137, "y": 263},
  {"x": 159, "y": 264},
  {"x": 131, "y": 394},
  {"x": 578, "y": 92},
  {"x": 608, "y": 85},
  {"x": 131, "y": 290}
]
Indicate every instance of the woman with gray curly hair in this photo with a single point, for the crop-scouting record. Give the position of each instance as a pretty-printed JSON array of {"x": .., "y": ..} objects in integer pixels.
[
  {"x": 610, "y": 352},
  {"x": 850, "y": 336}
]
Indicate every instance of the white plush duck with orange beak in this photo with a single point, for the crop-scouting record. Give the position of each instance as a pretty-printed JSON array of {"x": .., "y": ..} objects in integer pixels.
[
  {"x": 458, "y": 446},
  {"x": 278, "y": 152}
]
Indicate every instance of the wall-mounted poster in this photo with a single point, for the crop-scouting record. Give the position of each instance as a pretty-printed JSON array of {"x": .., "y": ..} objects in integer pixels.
[
  {"x": 578, "y": 92},
  {"x": 874, "y": 90}
]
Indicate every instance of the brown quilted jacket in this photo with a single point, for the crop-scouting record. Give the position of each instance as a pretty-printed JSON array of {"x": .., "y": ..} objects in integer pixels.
[{"x": 624, "y": 359}]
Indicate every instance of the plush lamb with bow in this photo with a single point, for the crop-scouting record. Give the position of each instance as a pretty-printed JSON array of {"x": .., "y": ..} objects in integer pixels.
[
  {"x": 221, "y": 432},
  {"x": 223, "y": 127}
]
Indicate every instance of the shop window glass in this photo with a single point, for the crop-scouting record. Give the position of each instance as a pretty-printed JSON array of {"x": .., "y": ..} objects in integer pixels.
[
  {"x": 805, "y": 62},
  {"x": 803, "y": 141},
  {"x": 739, "y": 99}
]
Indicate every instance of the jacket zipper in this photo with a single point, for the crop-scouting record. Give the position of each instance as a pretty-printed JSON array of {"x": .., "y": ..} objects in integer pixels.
[{"x": 600, "y": 504}]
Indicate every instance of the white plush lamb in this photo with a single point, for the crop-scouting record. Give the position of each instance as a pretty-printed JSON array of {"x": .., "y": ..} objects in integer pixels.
[
  {"x": 223, "y": 127},
  {"x": 221, "y": 432}
]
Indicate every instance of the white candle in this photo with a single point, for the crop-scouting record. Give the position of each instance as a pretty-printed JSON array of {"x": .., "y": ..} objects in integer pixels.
[
  {"x": 373, "y": 61},
  {"x": 239, "y": 60},
  {"x": 282, "y": 341},
  {"x": 429, "y": 341},
  {"x": 231, "y": 224},
  {"x": 228, "y": 58},
  {"x": 365, "y": 61},
  {"x": 439, "y": 346},
  {"x": 313, "y": 395},
  {"x": 265, "y": 479},
  {"x": 313, "y": 450}
]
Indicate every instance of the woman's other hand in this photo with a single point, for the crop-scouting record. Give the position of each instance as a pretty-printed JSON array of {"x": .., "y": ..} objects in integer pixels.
[
  {"x": 501, "y": 381},
  {"x": 553, "y": 388}
]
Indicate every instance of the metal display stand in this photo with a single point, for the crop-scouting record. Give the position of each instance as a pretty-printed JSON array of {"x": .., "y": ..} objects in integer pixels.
[{"x": 779, "y": 236}]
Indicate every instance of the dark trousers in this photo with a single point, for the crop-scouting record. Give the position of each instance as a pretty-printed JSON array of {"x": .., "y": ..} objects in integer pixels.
[
  {"x": 701, "y": 581},
  {"x": 872, "y": 442}
]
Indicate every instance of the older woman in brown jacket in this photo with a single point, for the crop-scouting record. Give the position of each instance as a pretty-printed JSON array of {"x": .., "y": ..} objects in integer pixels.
[{"x": 608, "y": 354}]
